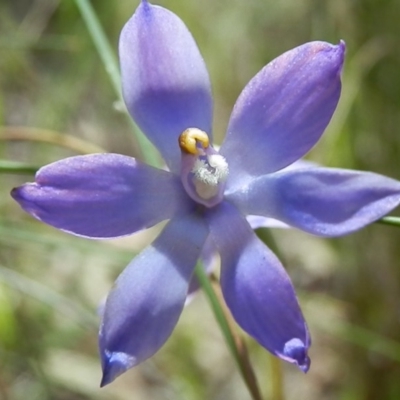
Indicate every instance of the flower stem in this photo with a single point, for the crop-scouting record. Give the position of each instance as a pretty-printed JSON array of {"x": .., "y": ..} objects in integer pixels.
[
  {"x": 394, "y": 221},
  {"x": 235, "y": 344},
  {"x": 101, "y": 43},
  {"x": 14, "y": 167},
  {"x": 111, "y": 66},
  {"x": 276, "y": 378}
]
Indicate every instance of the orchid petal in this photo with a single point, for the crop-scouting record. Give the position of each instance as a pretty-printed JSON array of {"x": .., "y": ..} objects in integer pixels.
[
  {"x": 257, "y": 288},
  {"x": 209, "y": 252},
  {"x": 283, "y": 110},
  {"x": 208, "y": 259},
  {"x": 256, "y": 222},
  {"x": 165, "y": 82},
  {"x": 147, "y": 299},
  {"x": 102, "y": 195},
  {"x": 321, "y": 201},
  {"x": 301, "y": 164}
]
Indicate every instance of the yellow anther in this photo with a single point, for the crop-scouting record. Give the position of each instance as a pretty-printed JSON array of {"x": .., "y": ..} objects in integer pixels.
[{"x": 189, "y": 139}]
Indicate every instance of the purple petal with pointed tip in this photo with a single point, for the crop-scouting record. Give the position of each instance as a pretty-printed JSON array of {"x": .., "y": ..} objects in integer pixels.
[
  {"x": 322, "y": 201},
  {"x": 208, "y": 259},
  {"x": 209, "y": 252},
  {"x": 164, "y": 79},
  {"x": 283, "y": 111},
  {"x": 102, "y": 195},
  {"x": 147, "y": 299},
  {"x": 257, "y": 288},
  {"x": 256, "y": 222}
]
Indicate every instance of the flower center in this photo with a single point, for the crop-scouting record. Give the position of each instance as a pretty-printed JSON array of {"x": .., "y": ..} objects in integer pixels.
[{"x": 203, "y": 170}]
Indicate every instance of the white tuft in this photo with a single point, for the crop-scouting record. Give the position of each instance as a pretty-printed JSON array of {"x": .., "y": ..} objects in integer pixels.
[
  {"x": 220, "y": 165},
  {"x": 212, "y": 172}
]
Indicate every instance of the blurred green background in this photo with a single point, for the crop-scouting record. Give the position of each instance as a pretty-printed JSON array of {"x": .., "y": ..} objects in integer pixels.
[{"x": 51, "y": 284}]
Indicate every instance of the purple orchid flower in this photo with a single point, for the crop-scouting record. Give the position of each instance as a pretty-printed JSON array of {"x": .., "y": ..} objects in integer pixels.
[{"x": 206, "y": 194}]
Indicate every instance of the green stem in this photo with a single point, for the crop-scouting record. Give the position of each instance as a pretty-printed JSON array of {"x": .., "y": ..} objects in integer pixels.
[
  {"x": 236, "y": 347},
  {"x": 276, "y": 379},
  {"x": 110, "y": 63},
  {"x": 14, "y": 167},
  {"x": 394, "y": 221},
  {"x": 101, "y": 43}
]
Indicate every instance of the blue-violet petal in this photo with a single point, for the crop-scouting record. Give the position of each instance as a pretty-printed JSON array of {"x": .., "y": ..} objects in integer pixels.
[
  {"x": 165, "y": 82},
  {"x": 322, "y": 201},
  {"x": 147, "y": 299},
  {"x": 257, "y": 288},
  {"x": 283, "y": 110},
  {"x": 102, "y": 195}
]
